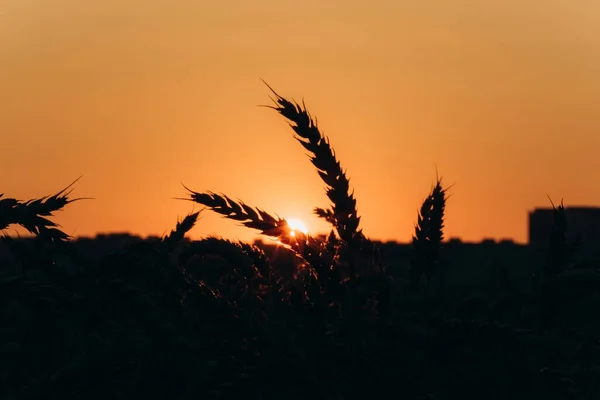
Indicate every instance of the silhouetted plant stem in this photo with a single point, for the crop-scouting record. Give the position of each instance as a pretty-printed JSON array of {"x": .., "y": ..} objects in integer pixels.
[
  {"x": 429, "y": 234},
  {"x": 557, "y": 240}
]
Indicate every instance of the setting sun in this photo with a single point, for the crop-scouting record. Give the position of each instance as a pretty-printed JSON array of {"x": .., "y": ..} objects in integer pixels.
[{"x": 297, "y": 225}]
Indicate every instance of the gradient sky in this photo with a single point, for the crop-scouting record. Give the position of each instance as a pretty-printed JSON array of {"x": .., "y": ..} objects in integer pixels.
[{"x": 141, "y": 96}]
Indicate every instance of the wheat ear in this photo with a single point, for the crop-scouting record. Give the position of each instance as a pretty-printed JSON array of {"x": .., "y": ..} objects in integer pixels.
[
  {"x": 557, "y": 240},
  {"x": 250, "y": 217},
  {"x": 176, "y": 236},
  {"x": 343, "y": 214},
  {"x": 429, "y": 233},
  {"x": 32, "y": 214}
]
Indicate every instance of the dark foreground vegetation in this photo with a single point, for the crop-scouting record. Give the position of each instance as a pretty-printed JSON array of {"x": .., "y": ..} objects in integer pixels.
[{"x": 308, "y": 317}]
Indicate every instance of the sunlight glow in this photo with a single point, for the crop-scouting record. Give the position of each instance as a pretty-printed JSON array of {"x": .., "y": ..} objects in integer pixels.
[{"x": 297, "y": 225}]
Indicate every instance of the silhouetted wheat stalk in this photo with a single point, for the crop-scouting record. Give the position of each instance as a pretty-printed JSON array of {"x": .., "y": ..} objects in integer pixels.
[
  {"x": 307, "y": 247},
  {"x": 176, "y": 236},
  {"x": 555, "y": 263},
  {"x": 250, "y": 217},
  {"x": 32, "y": 214},
  {"x": 348, "y": 256},
  {"x": 557, "y": 246},
  {"x": 343, "y": 213},
  {"x": 429, "y": 233}
]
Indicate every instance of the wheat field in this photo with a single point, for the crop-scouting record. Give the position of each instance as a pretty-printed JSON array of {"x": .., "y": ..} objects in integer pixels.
[{"x": 301, "y": 316}]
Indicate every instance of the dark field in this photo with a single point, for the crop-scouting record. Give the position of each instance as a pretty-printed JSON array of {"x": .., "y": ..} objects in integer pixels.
[{"x": 337, "y": 316}]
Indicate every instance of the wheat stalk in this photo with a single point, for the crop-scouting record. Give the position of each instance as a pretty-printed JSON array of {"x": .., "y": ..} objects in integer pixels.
[
  {"x": 429, "y": 233},
  {"x": 255, "y": 218},
  {"x": 557, "y": 248},
  {"x": 176, "y": 236},
  {"x": 32, "y": 214},
  {"x": 250, "y": 217},
  {"x": 310, "y": 249},
  {"x": 343, "y": 213}
]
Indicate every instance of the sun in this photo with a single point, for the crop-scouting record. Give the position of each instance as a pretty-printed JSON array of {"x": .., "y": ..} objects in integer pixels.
[{"x": 297, "y": 225}]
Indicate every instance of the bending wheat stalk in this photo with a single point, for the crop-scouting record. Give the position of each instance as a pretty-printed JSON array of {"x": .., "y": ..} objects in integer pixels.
[{"x": 343, "y": 214}]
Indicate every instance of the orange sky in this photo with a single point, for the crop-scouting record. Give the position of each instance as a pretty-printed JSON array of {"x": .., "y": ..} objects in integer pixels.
[{"x": 139, "y": 96}]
